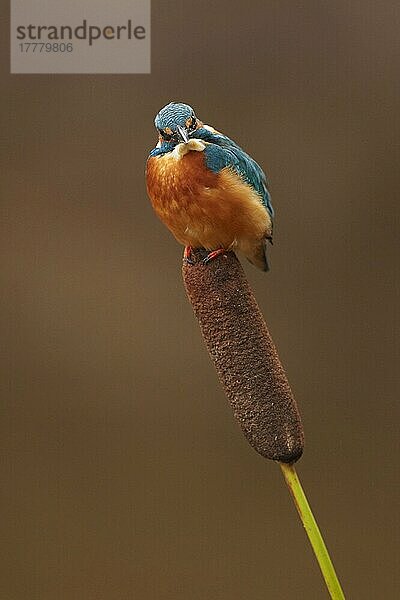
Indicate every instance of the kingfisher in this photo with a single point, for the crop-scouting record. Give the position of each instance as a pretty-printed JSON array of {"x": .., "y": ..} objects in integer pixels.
[{"x": 208, "y": 191}]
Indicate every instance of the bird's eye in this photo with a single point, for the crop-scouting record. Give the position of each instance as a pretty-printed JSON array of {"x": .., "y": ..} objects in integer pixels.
[
  {"x": 165, "y": 136},
  {"x": 192, "y": 124}
]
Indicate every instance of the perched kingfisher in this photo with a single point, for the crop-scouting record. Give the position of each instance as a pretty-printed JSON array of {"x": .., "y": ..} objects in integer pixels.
[{"x": 207, "y": 190}]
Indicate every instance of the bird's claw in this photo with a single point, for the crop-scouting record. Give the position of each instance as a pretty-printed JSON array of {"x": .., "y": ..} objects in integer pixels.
[
  {"x": 212, "y": 255},
  {"x": 187, "y": 253}
]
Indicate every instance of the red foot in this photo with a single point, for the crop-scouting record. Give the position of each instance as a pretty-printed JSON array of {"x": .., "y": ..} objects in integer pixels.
[
  {"x": 187, "y": 253},
  {"x": 213, "y": 254}
]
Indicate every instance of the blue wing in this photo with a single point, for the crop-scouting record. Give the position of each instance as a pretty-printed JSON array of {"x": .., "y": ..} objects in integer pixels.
[{"x": 223, "y": 152}]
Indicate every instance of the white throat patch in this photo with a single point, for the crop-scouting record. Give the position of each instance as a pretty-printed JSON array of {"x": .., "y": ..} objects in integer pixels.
[{"x": 182, "y": 149}]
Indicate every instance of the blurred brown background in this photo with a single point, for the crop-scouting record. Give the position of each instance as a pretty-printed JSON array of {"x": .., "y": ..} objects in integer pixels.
[{"x": 123, "y": 472}]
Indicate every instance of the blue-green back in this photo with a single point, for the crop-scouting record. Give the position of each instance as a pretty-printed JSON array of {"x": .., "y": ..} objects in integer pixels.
[{"x": 223, "y": 152}]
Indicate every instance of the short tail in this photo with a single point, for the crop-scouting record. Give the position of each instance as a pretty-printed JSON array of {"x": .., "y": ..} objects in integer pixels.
[{"x": 259, "y": 255}]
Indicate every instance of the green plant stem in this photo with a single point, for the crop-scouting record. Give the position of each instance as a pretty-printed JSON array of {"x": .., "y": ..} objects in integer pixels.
[{"x": 313, "y": 532}]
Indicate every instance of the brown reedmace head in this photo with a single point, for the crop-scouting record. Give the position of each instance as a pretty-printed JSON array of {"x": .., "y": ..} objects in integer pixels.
[{"x": 245, "y": 356}]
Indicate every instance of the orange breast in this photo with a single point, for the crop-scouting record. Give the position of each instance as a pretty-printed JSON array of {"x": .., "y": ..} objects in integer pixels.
[{"x": 203, "y": 208}]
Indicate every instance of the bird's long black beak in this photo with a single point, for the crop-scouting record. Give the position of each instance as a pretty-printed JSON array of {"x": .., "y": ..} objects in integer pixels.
[{"x": 183, "y": 134}]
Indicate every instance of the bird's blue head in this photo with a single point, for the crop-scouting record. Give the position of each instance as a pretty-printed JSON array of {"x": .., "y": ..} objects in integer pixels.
[{"x": 176, "y": 122}]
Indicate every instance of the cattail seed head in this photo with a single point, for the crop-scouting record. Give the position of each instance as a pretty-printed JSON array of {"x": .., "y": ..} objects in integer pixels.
[{"x": 244, "y": 356}]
